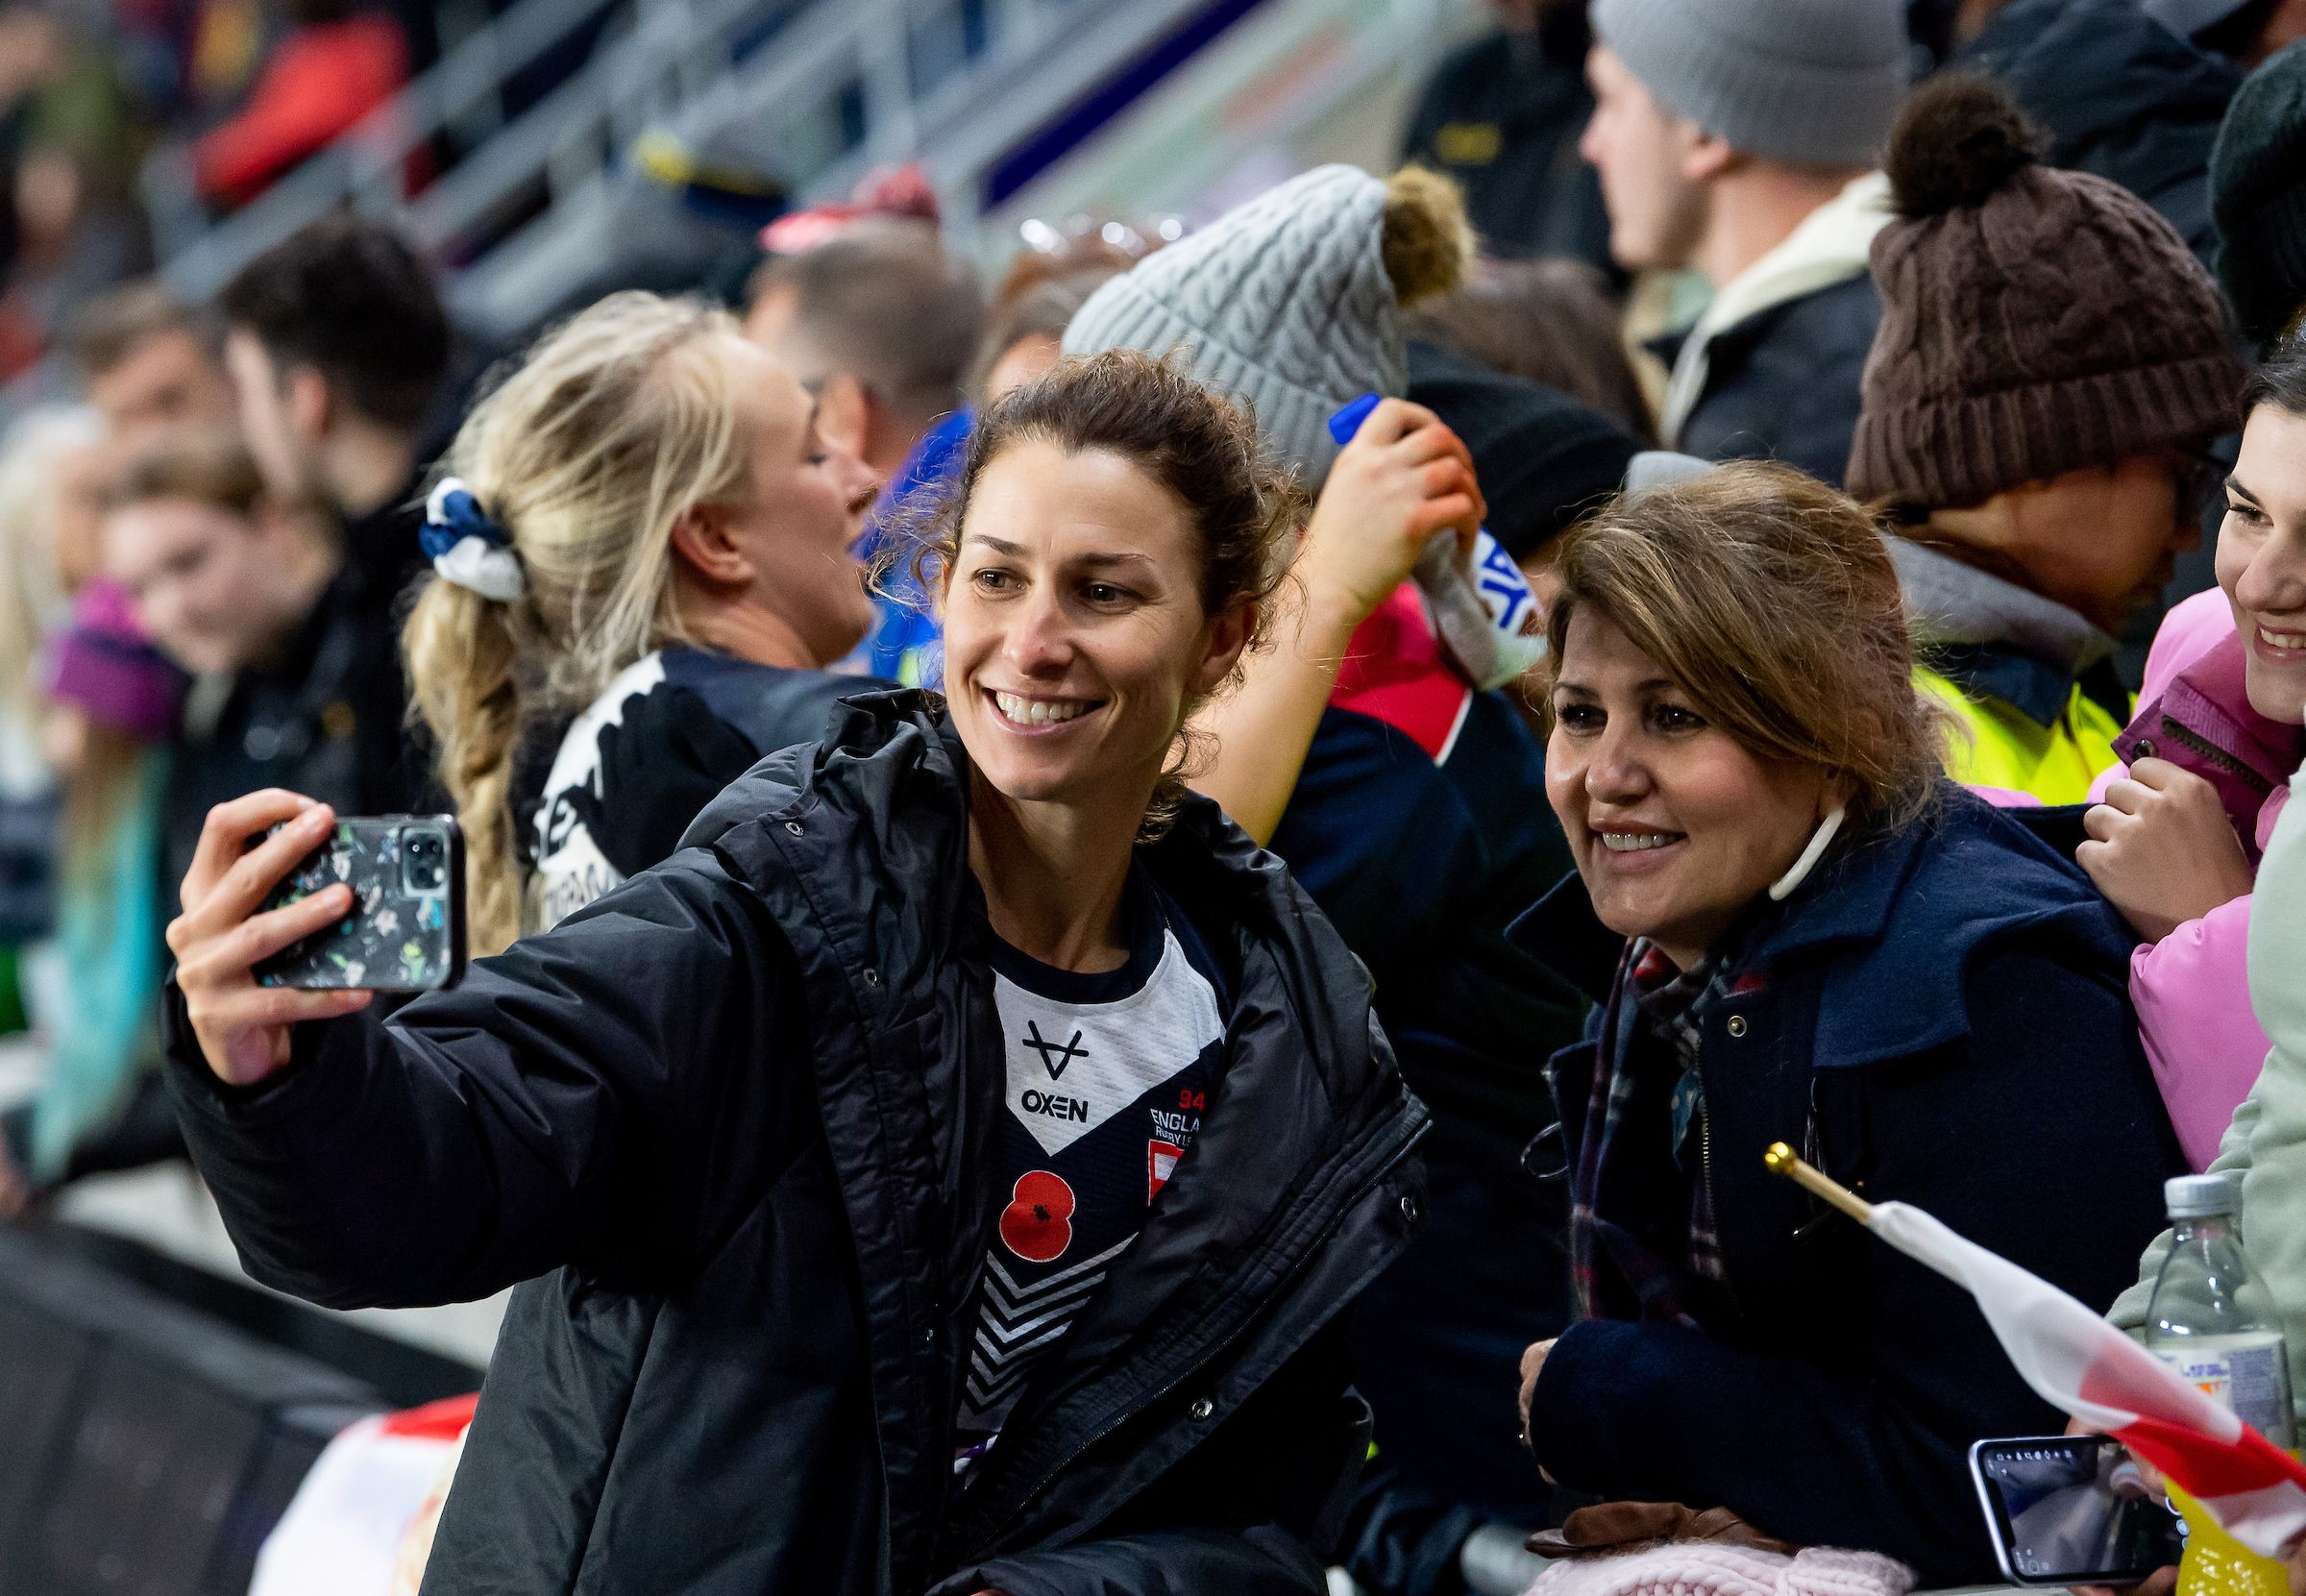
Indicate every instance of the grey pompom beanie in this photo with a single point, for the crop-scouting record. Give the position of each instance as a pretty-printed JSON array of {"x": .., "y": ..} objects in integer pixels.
[
  {"x": 1283, "y": 303},
  {"x": 1814, "y": 82}
]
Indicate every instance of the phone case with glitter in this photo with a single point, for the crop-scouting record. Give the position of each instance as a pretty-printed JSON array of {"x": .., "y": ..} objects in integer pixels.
[{"x": 406, "y": 932}]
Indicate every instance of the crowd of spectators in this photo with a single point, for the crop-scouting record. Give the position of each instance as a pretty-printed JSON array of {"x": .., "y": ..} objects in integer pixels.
[{"x": 1836, "y": 813}]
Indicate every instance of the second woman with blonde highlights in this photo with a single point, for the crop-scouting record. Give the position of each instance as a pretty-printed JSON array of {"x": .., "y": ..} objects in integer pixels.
[{"x": 684, "y": 542}]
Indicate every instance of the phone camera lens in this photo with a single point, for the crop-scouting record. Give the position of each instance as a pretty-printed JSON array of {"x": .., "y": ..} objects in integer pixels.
[{"x": 423, "y": 860}]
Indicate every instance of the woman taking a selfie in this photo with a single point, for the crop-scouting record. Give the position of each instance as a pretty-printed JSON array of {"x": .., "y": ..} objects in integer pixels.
[
  {"x": 1806, "y": 935},
  {"x": 953, "y": 1161}
]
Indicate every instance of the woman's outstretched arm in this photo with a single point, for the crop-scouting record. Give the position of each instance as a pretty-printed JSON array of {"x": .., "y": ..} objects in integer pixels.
[{"x": 577, "y": 1099}]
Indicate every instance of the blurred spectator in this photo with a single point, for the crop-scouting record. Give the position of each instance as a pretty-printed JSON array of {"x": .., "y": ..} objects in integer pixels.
[
  {"x": 230, "y": 583},
  {"x": 676, "y": 547},
  {"x": 337, "y": 345},
  {"x": 1823, "y": 943},
  {"x": 2205, "y": 775},
  {"x": 1084, "y": 246},
  {"x": 1048, "y": 282},
  {"x": 2245, "y": 32},
  {"x": 1739, "y": 139},
  {"x": 2121, "y": 97},
  {"x": 104, "y": 705},
  {"x": 150, "y": 363},
  {"x": 2258, "y": 194},
  {"x": 1549, "y": 322},
  {"x": 336, "y": 65},
  {"x": 1024, "y": 333},
  {"x": 116, "y": 702},
  {"x": 1501, "y": 117},
  {"x": 34, "y": 601},
  {"x": 32, "y": 607},
  {"x": 880, "y": 322},
  {"x": 68, "y": 149},
  {"x": 1404, "y": 800},
  {"x": 2037, "y": 434}
]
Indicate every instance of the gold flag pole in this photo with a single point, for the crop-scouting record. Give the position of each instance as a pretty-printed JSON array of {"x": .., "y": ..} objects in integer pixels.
[{"x": 1782, "y": 1161}]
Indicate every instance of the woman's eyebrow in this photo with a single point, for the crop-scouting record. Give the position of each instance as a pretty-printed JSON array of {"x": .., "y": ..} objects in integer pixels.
[{"x": 2234, "y": 487}]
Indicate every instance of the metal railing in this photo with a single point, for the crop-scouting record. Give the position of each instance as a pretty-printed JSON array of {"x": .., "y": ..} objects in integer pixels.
[
  {"x": 652, "y": 54},
  {"x": 949, "y": 83},
  {"x": 820, "y": 92}
]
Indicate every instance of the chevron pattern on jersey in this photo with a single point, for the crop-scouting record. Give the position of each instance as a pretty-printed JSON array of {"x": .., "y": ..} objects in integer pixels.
[{"x": 1016, "y": 1324}]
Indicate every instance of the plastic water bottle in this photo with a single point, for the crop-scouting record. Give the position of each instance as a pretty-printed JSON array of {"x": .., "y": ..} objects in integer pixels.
[
  {"x": 2196, "y": 1325},
  {"x": 1485, "y": 612}
]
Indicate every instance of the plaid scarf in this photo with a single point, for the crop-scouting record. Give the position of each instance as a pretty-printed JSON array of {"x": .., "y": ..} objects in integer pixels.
[{"x": 1643, "y": 1131}]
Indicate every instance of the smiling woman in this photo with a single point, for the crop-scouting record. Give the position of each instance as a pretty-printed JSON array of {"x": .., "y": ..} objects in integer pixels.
[
  {"x": 1104, "y": 558},
  {"x": 672, "y": 549},
  {"x": 968, "y": 1146},
  {"x": 1805, "y": 935}
]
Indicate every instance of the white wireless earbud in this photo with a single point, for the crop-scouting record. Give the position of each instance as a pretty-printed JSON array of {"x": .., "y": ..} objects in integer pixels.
[{"x": 1782, "y": 888}]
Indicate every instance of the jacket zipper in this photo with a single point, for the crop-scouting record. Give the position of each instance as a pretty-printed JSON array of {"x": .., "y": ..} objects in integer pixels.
[
  {"x": 1714, "y": 1214},
  {"x": 1386, "y": 1156},
  {"x": 2207, "y": 750}
]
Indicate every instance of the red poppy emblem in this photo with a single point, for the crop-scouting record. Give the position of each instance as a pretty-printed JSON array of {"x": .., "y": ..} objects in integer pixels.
[{"x": 1038, "y": 1224}]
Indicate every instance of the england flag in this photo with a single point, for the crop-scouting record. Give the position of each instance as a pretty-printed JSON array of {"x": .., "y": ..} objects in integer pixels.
[{"x": 2082, "y": 1365}]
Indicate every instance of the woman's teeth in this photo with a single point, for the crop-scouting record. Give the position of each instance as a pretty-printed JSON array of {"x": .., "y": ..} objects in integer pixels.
[
  {"x": 2281, "y": 639},
  {"x": 1037, "y": 712},
  {"x": 1634, "y": 841}
]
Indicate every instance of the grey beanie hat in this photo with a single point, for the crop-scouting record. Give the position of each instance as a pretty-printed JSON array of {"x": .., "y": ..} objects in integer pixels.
[
  {"x": 1816, "y": 82},
  {"x": 1283, "y": 303}
]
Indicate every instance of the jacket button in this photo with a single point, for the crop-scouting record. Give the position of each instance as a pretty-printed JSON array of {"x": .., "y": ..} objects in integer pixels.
[
  {"x": 1737, "y": 1024},
  {"x": 873, "y": 978},
  {"x": 1201, "y": 1409},
  {"x": 1409, "y": 1209},
  {"x": 2144, "y": 751},
  {"x": 792, "y": 826}
]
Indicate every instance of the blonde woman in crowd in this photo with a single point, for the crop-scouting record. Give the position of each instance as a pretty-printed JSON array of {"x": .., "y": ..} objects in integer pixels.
[{"x": 643, "y": 529}]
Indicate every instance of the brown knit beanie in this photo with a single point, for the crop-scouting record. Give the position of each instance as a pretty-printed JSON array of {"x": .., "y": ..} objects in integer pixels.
[{"x": 2034, "y": 322}]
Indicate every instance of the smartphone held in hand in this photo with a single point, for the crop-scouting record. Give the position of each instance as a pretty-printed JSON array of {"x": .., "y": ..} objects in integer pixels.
[
  {"x": 2073, "y": 1510},
  {"x": 406, "y": 931}
]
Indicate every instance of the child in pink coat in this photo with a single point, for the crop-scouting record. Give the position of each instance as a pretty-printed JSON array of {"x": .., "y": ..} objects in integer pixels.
[{"x": 2177, "y": 829}]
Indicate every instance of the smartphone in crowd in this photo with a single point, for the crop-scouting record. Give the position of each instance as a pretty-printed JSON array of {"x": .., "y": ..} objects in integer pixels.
[
  {"x": 406, "y": 931},
  {"x": 2073, "y": 1510}
]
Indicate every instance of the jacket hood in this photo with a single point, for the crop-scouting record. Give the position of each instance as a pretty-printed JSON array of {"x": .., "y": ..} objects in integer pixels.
[
  {"x": 2094, "y": 71},
  {"x": 1950, "y": 602}
]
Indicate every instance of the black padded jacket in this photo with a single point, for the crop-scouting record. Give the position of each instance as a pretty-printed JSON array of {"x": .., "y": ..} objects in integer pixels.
[{"x": 739, "y": 1114}]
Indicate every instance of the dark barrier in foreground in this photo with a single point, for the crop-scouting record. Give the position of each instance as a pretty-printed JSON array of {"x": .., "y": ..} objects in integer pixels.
[{"x": 147, "y": 1446}]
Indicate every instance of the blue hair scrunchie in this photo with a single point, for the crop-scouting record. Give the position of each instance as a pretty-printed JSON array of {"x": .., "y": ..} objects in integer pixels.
[{"x": 467, "y": 545}]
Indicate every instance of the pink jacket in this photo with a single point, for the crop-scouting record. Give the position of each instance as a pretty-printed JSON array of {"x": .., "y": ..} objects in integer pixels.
[{"x": 2191, "y": 988}]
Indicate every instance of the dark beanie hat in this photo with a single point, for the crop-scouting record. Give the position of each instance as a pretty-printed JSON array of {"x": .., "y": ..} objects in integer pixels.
[
  {"x": 2034, "y": 322},
  {"x": 2258, "y": 196},
  {"x": 1542, "y": 458}
]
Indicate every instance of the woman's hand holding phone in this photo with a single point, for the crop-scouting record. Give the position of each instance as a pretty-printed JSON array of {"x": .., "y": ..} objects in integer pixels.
[
  {"x": 220, "y": 936},
  {"x": 2162, "y": 1582}
]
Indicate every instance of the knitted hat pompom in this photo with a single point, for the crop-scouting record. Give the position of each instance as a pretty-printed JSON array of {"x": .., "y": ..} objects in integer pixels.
[
  {"x": 2033, "y": 321},
  {"x": 1959, "y": 138},
  {"x": 1424, "y": 240}
]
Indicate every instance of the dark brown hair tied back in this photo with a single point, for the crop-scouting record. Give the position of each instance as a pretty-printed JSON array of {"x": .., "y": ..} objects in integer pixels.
[
  {"x": 1770, "y": 600},
  {"x": 1197, "y": 443}
]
